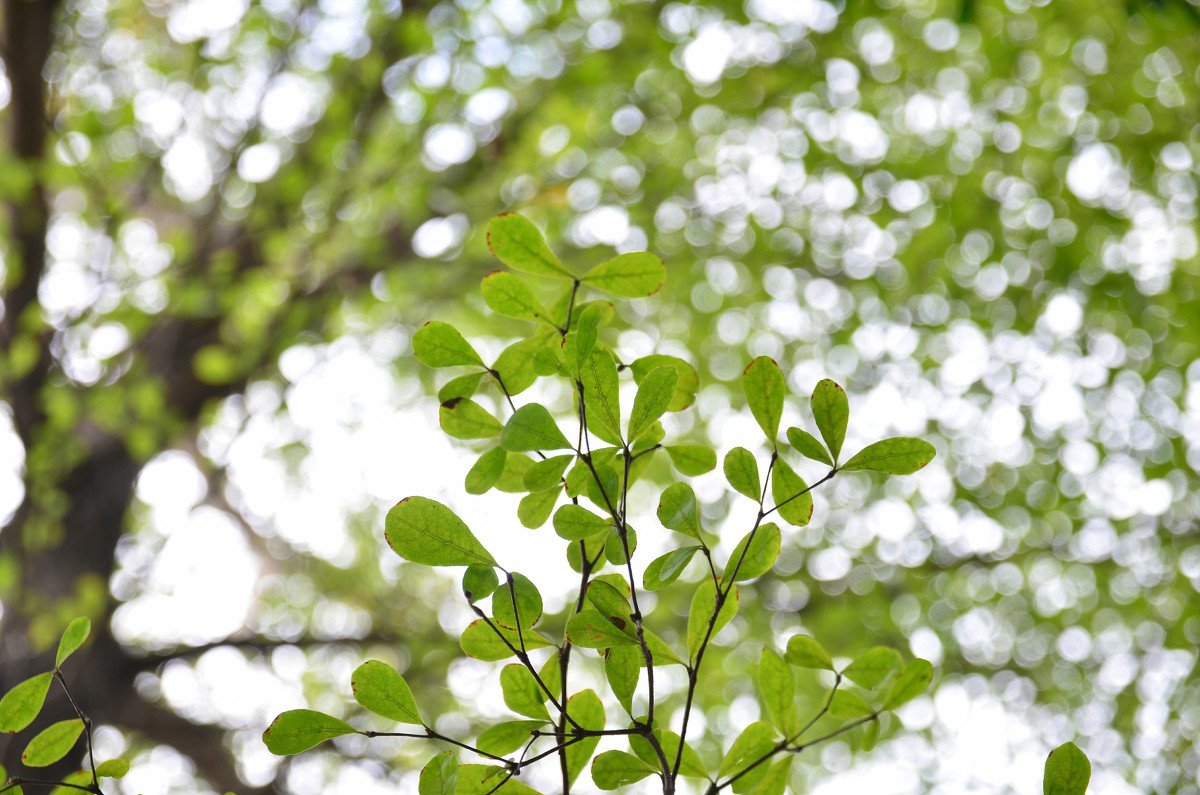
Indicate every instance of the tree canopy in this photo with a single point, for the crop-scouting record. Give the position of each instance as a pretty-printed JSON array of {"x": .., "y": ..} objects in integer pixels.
[{"x": 226, "y": 223}]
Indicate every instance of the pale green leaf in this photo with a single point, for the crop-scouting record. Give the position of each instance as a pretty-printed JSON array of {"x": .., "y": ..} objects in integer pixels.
[
  {"x": 687, "y": 385},
  {"x": 703, "y": 612},
  {"x": 692, "y": 459},
  {"x": 518, "y": 244},
  {"x": 426, "y": 532},
  {"x": 912, "y": 681},
  {"x": 873, "y": 666},
  {"x": 532, "y": 428},
  {"x": 439, "y": 776},
  {"x": 23, "y": 702},
  {"x": 52, "y": 743},
  {"x": 522, "y": 694},
  {"x": 438, "y": 344},
  {"x": 482, "y": 642},
  {"x": 486, "y": 471},
  {"x": 633, "y": 275},
  {"x": 461, "y": 418},
  {"x": 380, "y": 688},
  {"x": 506, "y": 294},
  {"x": 72, "y": 638},
  {"x": 805, "y": 652}
]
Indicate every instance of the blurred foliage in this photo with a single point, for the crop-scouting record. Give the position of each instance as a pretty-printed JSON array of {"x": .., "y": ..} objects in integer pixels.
[{"x": 980, "y": 217}]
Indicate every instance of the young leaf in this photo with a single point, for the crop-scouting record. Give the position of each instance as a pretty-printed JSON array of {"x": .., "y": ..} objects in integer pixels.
[
  {"x": 439, "y": 776},
  {"x": 465, "y": 419},
  {"x": 480, "y": 641},
  {"x": 535, "y": 509},
  {"x": 464, "y": 386},
  {"x": 807, "y": 445},
  {"x": 873, "y": 666},
  {"x": 479, "y": 581},
  {"x": 381, "y": 689},
  {"x": 831, "y": 411},
  {"x": 899, "y": 455},
  {"x": 615, "y": 769},
  {"x": 755, "y": 742},
  {"x": 52, "y": 743},
  {"x": 521, "y": 692},
  {"x": 785, "y": 486},
  {"x": 777, "y": 691},
  {"x": 591, "y": 630},
  {"x": 438, "y": 344},
  {"x": 634, "y": 275},
  {"x": 911, "y": 682},
  {"x": 704, "y": 605},
  {"x": 765, "y": 387},
  {"x": 741, "y": 470},
  {"x": 586, "y": 708},
  {"x": 298, "y": 730},
  {"x": 1067, "y": 771},
  {"x": 761, "y": 555},
  {"x": 506, "y": 294},
  {"x": 547, "y": 474},
  {"x": 504, "y": 738},
  {"x": 528, "y": 603},
  {"x": 601, "y": 398},
  {"x": 665, "y": 569},
  {"x": 692, "y": 459},
  {"x": 677, "y": 510},
  {"x": 686, "y": 386},
  {"x": 427, "y": 532},
  {"x": 486, "y": 471},
  {"x": 518, "y": 244},
  {"x": 23, "y": 702},
  {"x": 849, "y": 704},
  {"x": 575, "y": 523},
  {"x": 532, "y": 428},
  {"x": 72, "y": 638},
  {"x": 804, "y": 652},
  {"x": 622, "y": 668},
  {"x": 653, "y": 396},
  {"x": 113, "y": 768}
]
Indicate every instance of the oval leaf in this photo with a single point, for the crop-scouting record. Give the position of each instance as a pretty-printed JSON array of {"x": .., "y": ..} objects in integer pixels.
[
  {"x": 52, "y": 743},
  {"x": 678, "y": 511},
  {"x": 665, "y": 569},
  {"x": 23, "y": 702},
  {"x": 756, "y": 560},
  {"x": 831, "y": 410},
  {"x": 438, "y": 344},
  {"x": 615, "y": 769},
  {"x": 899, "y": 455},
  {"x": 764, "y": 385},
  {"x": 633, "y": 275},
  {"x": 72, "y": 638},
  {"x": 873, "y": 666},
  {"x": 741, "y": 470},
  {"x": 591, "y": 630},
  {"x": 653, "y": 396},
  {"x": 1067, "y": 772},
  {"x": 911, "y": 682},
  {"x": 297, "y": 730},
  {"x": 807, "y": 445},
  {"x": 518, "y": 244},
  {"x": 381, "y": 689},
  {"x": 425, "y": 531},
  {"x": 532, "y": 428},
  {"x": 505, "y": 294},
  {"x": 805, "y": 652},
  {"x": 461, "y": 418}
]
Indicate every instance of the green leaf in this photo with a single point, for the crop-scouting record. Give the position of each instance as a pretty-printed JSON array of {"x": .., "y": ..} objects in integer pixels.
[
  {"x": 704, "y": 605},
  {"x": 528, "y": 603},
  {"x": 504, "y": 738},
  {"x": 687, "y": 385},
  {"x": 464, "y": 386},
  {"x": 297, "y": 730},
  {"x": 426, "y": 532},
  {"x": 535, "y": 509},
  {"x": 23, "y": 702},
  {"x": 623, "y": 668},
  {"x": 480, "y": 641},
  {"x": 465, "y": 419},
  {"x": 439, "y": 776},
  {"x": 665, "y": 569},
  {"x": 516, "y": 242},
  {"x": 870, "y": 737},
  {"x": 575, "y": 523},
  {"x": 692, "y": 459},
  {"x": 762, "y": 553},
  {"x": 775, "y": 781},
  {"x": 765, "y": 387},
  {"x": 486, "y": 471},
  {"x": 52, "y": 743},
  {"x": 609, "y": 600},
  {"x": 741, "y": 470},
  {"x": 547, "y": 474},
  {"x": 690, "y": 762},
  {"x": 785, "y": 485},
  {"x": 601, "y": 396},
  {"x": 873, "y": 666},
  {"x": 807, "y": 445},
  {"x": 848, "y": 704},
  {"x": 582, "y": 341},
  {"x": 591, "y": 630},
  {"x": 479, "y": 582},
  {"x": 615, "y": 769},
  {"x": 113, "y": 768},
  {"x": 755, "y": 742},
  {"x": 1067, "y": 772},
  {"x": 381, "y": 689},
  {"x": 512, "y": 477},
  {"x": 514, "y": 368},
  {"x": 489, "y": 780},
  {"x": 678, "y": 511},
  {"x": 634, "y": 275},
  {"x": 506, "y": 294},
  {"x": 777, "y": 691},
  {"x": 586, "y": 708},
  {"x": 805, "y": 652},
  {"x": 438, "y": 344},
  {"x": 521, "y": 692},
  {"x": 899, "y": 455},
  {"x": 72, "y": 638},
  {"x": 831, "y": 411},
  {"x": 653, "y": 396},
  {"x": 532, "y": 428},
  {"x": 911, "y": 682}
]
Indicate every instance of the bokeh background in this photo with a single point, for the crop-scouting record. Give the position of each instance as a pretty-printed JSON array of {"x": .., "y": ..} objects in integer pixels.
[{"x": 225, "y": 219}]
